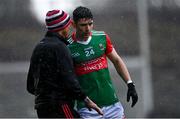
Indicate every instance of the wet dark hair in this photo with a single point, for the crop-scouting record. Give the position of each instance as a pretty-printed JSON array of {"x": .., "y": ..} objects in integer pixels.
[{"x": 81, "y": 12}]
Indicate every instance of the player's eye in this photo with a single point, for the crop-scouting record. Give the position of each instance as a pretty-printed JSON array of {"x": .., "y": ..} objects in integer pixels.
[{"x": 90, "y": 23}]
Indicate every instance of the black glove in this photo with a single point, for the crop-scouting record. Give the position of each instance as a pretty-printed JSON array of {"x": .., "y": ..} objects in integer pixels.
[{"x": 132, "y": 93}]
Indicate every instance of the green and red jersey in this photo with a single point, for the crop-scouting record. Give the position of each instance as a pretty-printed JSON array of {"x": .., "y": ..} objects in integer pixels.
[{"x": 91, "y": 67}]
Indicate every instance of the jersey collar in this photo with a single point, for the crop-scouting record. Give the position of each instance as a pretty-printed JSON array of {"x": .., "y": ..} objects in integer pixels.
[{"x": 81, "y": 42}]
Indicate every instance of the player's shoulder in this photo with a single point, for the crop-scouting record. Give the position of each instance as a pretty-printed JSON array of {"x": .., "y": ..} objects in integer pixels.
[{"x": 96, "y": 33}]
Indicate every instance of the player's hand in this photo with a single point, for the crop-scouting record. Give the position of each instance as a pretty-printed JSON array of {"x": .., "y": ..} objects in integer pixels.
[
  {"x": 132, "y": 94},
  {"x": 91, "y": 105}
]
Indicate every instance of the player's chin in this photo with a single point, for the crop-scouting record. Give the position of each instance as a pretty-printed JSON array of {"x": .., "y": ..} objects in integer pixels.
[{"x": 86, "y": 35}]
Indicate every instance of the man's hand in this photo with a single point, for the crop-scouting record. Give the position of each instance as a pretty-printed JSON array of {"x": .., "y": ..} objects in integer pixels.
[
  {"x": 132, "y": 94},
  {"x": 91, "y": 105}
]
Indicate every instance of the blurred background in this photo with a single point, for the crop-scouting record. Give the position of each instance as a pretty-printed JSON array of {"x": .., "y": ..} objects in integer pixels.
[{"x": 144, "y": 32}]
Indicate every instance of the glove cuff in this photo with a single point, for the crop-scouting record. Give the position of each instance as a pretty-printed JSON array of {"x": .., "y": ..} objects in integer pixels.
[
  {"x": 131, "y": 85},
  {"x": 129, "y": 81}
]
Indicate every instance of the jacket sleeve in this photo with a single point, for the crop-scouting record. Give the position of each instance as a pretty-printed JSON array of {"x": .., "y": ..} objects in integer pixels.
[
  {"x": 33, "y": 72},
  {"x": 30, "y": 79},
  {"x": 66, "y": 70}
]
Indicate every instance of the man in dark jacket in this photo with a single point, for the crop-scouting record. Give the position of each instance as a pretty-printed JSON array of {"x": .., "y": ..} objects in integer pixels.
[{"x": 51, "y": 76}]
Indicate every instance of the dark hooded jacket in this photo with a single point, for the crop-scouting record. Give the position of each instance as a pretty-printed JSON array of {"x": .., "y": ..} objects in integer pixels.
[{"x": 51, "y": 76}]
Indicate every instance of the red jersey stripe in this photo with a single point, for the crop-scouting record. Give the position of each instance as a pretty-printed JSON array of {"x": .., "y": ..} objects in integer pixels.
[
  {"x": 69, "y": 111},
  {"x": 65, "y": 112}
]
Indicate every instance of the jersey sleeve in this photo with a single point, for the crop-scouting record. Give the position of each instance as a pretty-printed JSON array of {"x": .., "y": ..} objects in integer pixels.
[{"x": 109, "y": 46}]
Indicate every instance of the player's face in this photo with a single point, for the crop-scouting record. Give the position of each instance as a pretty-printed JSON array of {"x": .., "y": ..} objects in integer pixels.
[{"x": 84, "y": 27}]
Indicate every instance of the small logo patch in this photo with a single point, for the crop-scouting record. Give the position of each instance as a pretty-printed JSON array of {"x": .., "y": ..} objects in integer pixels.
[
  {"x": 75, "y": 54},
  {"x": 101, "y": 46}
]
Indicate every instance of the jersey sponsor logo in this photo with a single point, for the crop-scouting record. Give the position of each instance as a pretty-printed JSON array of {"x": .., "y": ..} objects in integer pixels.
[
  {"x": 91, "y": 66},
  {"x": 94, "y": 67}
]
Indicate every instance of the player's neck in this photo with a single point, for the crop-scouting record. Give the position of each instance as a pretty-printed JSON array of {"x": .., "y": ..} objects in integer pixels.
[{"x": 81, "y": 38}]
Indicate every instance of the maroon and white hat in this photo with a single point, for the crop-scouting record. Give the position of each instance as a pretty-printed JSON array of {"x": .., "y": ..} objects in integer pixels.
[{"x": 57, "y": 20}]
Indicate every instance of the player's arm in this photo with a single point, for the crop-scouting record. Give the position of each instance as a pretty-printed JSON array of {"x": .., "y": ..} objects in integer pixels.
[
  {"x": 117, "y": 60},
  {"x": 30, "y": 81},
  {"x": 120, "y": 66},
  {"x": 30, "y": 76},
  {"x": 122, "y": 71}
]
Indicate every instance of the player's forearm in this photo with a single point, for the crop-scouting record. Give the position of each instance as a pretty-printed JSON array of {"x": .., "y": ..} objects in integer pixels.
[
  {"x": 122, "y": 70},
  {"x": 119, "y": 65}
]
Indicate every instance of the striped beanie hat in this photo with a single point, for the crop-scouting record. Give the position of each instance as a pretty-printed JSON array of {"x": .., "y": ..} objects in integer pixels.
[{"x": 57, "y": 20}]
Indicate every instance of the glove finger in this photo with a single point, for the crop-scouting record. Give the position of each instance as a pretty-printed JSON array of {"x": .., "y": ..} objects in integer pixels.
[
  {"x": 133, "y": 103},
  {"x": 128, "y": 97},
  {"x": 134, "y": 100}
]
